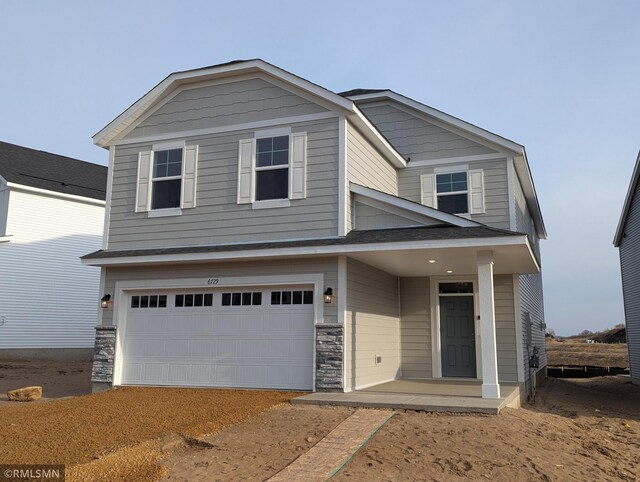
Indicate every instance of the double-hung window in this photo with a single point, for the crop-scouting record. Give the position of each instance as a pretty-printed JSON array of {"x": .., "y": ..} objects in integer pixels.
[
  {"x": 453, "y": 193},
  {"x": 167, "y": 179},
  {"x": 272, "y": 168}
]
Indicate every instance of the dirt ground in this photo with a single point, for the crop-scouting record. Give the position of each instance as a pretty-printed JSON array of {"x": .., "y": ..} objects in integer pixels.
[
  {"x": 577, "y": 352},
  {"x": 57, "y": 378},
  {"x": 582, "y": 430}
]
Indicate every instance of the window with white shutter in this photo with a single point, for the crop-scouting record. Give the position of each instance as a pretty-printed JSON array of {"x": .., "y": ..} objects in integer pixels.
[{"x": 455, "y": 191}]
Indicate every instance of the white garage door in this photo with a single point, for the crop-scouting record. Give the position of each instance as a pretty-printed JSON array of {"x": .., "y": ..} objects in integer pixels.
[{"x": 245, "y": 338}]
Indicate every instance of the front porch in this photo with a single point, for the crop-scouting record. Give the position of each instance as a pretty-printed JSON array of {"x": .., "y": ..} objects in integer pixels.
[{"x": 437, "y": 395}]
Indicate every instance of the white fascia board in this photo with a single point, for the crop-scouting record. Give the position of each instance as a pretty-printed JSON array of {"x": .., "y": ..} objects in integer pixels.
[
  {"x": 444, "y": 117},
  {"x": 523, "y": 170},
  {"x": 516, "y": 240},
  {"x": 633, "y": 185},
  {"x": 129, "y": 116},
  {"x": 46, "y": 192},
  {"x": 412, "y": 207},
  {"x": 377, "y": 139}
]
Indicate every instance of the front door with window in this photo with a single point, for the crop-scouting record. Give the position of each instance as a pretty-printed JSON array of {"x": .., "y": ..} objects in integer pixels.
[{"x": 457, "y": 339}]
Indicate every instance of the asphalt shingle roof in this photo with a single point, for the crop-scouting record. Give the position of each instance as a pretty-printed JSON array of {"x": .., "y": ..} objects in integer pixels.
[
  {"x": 44, "y": 170},
  {"x": 429, "y": 233}
]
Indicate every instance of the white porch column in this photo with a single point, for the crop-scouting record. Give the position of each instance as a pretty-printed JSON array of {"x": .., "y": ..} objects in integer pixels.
[{"x": 490, "y": 386}]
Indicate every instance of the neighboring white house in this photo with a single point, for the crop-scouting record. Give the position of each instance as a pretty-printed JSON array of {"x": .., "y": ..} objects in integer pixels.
[
  {"x": 627, "y": 239},
  {"x": 265, "y": 232},
  {"x": 51, "y": 212}
]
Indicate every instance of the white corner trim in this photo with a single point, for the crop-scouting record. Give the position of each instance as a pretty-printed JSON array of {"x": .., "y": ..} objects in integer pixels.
[
  {"x": 165, "y": 146},
  {"x": 46, "y": 192},
  {"x": 163, "y": 213},
  {"x": 452, "y": 160},
  {"x": 343, "y": 193},
  {"x": 411, "y": 206},
  {"x": 342, "y": 290},
  {"x": 107, "y": 210},
  {"x": 275, "y": 132},
  {"x": 271, "y": 203}
]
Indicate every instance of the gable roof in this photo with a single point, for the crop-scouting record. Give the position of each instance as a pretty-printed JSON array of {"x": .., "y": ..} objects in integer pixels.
[
  {"x": 237, "y": 67},
  {"x": 517, "y": 150},
  {"x": 633, "y": 186},
  {"x": 52, "y": 172}
]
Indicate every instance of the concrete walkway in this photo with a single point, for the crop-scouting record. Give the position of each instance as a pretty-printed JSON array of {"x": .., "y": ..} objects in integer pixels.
[{"x": 328, "y": 456}]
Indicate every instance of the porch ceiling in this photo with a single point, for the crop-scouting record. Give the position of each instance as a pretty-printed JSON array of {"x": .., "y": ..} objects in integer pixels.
[{"x": 460, "y": 261}]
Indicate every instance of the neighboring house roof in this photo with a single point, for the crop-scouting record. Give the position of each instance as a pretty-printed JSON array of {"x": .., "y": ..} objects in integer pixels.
[
  {"x": 52, "y": 172},
  {"x": 429, "y": 233},
  {"x": 121, "y": 124},
  {"x": 633, "y": 186},
  {"x": 518, "y": 150}
]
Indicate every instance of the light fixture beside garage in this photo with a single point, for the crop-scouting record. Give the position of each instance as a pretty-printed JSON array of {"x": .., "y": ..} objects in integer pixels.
[
  {"x": 105, "y": 301},
  {"x": 328, "y": 295}
]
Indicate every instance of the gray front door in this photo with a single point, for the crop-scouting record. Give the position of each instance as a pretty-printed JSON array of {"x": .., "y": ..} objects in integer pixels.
[{"x": 457, "y": 338}]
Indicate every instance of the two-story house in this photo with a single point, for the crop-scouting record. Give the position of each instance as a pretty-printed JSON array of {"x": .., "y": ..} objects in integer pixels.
[
  {"x": 627, "y": 240},
  {"x": 265, "y": 232},
  {"x": 51, "y": 213}
]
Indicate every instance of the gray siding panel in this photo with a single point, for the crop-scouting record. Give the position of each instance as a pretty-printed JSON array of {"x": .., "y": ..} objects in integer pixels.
[
  {"x": 369, "y": 217},
  {"x": 217, "y": 217},
  {"x": 496, "y": 190},
  {"x": 416, "y": 138},
  {"x": 415, "y": 328},
  {"x": 505, "y": 328},
  {"x": 221, "y": 105},
  {"x": 327, "y": 266},
  {"x": 372, "y": 325},
  {"x": 630, "y": 268},
  {"x": 532, "y": 302}
]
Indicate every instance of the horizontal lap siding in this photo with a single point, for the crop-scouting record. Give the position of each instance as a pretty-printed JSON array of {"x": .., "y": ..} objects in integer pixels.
[
  {"x": 367, "y": 167},
  {"x": 630, "y": 267},
  {"x": 218, "y": 218},
  {"x": 368, "y": 217},
  {"x": 372, "y": 325},
  {"x": 48, "y": 299},
  {"x": 222, "y": 105},
  {"x": 416, "y": 138},
  {"x": 496, "y": 193},
  {"x": 415, "y": 328},
  {"x": 505, "y": 328},
  {"x": 326, "y": 266}
]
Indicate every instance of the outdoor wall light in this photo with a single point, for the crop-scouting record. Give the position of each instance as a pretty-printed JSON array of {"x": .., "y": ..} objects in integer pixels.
[
  {"x": 432, "y": 261},
  {"x": 449, "y": 271},
  {"x": 105, "y": 301},
  {"x": 328, "y": 295}
]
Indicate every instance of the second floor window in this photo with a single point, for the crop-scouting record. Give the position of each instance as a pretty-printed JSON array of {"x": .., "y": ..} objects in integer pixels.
[
  {"x": 272, "y": 168},
  {"x": 167, "y": 179},
  {"x": 452, "y": 191}
]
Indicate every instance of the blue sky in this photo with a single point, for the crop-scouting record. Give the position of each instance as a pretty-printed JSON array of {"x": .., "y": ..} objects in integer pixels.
[{"x": 560, "y": 77}]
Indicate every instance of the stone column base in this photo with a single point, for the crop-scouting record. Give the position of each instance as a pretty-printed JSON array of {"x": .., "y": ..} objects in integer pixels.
[
  {"x": 329, "y": 357},
  {"x": 103, "y": 355}
]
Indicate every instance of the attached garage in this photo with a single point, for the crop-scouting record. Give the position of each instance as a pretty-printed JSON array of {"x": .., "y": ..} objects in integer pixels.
[{"x": 242, "y": 337}]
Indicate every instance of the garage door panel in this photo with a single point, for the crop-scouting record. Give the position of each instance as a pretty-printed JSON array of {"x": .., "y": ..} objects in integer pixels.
[{"x": 254, "y": 346}]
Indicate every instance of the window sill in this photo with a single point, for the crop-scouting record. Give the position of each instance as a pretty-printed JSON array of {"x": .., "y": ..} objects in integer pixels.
[
  {"x": 271, "y": 203},
  {"x": 162, "y": 213},
  {"x": 5, "y": 239}
]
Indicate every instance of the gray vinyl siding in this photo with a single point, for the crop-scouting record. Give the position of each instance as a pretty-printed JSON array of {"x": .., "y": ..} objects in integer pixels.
[
  {"x": 367, "y": 167},
  {"x": 630, "y": 268},
  {"x": 221, "y": 105},
  {"x": 4, "y": 207},
  {"x": 328, "y": 267},
  {"x": 524, "y": 221},
  {"x": 415, "y": 328},
  {"x": 218, "y": 218},
  {"x": 417, "y": 139},
  {"x": 496, "y": 189},
  {"x": 369, "y": 217},
  {"x": 372, "y": 325},
  {"x": 505, "y": 328}
]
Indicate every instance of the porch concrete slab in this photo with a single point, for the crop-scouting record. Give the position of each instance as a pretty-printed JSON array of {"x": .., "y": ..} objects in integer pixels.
[
  {"x": 422, "y": 395},
  {"x": 325, "y": 458}
]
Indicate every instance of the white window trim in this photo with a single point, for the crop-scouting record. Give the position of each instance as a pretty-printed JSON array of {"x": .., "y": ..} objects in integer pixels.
[
  {"x": 270, "y": 203},
  {"x": 451, "y": 170},
  {"x": 165, "y": 146}
]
